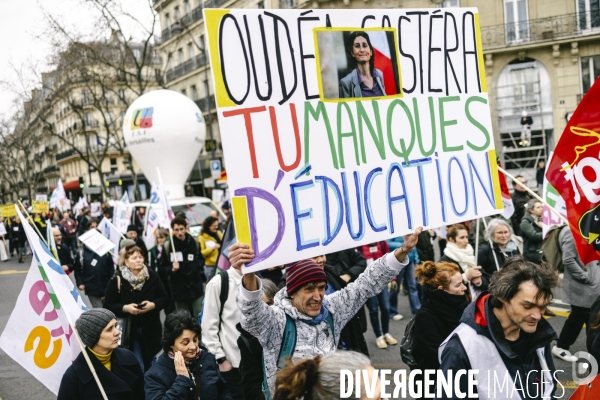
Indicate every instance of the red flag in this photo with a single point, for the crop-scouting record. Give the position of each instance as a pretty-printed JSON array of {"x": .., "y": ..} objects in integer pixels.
[
  {"x": 509, "y": 207},
  {"x": 575, "y": 173}
]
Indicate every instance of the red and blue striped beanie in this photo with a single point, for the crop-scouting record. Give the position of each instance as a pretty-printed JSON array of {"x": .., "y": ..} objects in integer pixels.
[{"x": 300, "y": 273}]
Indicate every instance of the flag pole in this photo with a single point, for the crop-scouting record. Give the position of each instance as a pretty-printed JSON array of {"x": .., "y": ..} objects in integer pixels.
[
  {"x": 476, "y": 239},
  {"x": 491, "y": 246},
  {"x": 72, "y": 325},
  {"x": 164, "y": 201},
  {"x": 531, "y": 192}
]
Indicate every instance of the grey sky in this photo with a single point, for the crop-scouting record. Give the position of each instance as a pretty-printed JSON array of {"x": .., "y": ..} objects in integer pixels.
[{"x": 22, "y": 25}]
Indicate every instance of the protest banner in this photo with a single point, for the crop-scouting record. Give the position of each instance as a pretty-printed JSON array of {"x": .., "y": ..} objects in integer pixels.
[
  {"x": 507, "y": 203},
  {"x": 97, "y": 242},
  {"x": 8, "y": 210},
  {"x": 553, "y": 198},
  {"x": 39, "y": 206},
  {"x": 122, "y": 213},
  {"x": 38, "y": 334},
  {"x": 329, "y": 146},
  {"x": 574, "y": 172},
  {"x": 41, "y": 197}
]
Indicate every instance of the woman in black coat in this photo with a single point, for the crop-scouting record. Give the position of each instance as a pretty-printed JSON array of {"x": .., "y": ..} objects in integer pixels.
[
  {"x": 118, "y": 370},
  {"x": 186, "y": 370},
  {"x": 500, "y": 234},
  {"x": 442, "y": 306},
  {"x": 137, "y": 291},
  {"x": 531, "y": 229}
]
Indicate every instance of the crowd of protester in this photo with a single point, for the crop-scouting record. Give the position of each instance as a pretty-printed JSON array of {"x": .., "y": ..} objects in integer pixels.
[{"x": 287, "y": 331}]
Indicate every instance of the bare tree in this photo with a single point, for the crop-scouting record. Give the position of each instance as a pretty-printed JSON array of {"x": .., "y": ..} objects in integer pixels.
[
  {"x": 94, "y": 80},
  {"x": 20, "y": 159}
]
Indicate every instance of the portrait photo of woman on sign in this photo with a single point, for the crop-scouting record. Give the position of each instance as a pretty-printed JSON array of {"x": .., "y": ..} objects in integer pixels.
[
  {"x": 358, "y": 64},
  {"x": 364, "y": 80}
]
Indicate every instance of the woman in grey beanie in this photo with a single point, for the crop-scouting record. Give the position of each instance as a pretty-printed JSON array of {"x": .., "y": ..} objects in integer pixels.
[{"x": 118, "y": 369}]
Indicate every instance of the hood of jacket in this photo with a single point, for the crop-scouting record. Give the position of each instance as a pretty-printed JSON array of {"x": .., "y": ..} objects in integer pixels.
[{"x": 480, "y": 316}]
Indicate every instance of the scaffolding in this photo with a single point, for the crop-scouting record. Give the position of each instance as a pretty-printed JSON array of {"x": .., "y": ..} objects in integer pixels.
[{"x": 524, "y": 93}]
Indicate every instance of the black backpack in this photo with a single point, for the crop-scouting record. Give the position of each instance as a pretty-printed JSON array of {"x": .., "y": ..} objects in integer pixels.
[{"x": 407, "y": 344}]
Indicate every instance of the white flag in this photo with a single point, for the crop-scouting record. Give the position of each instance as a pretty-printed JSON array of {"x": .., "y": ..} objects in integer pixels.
[
  {"x": 38, "y": 334},
  {"x": 122, "y": 216},
  {"x": 59, "y": 198},
  {"x": 551, "y": 195},
  {"x": 111, "y": 233},
  {"x": 125, "y": 198}
]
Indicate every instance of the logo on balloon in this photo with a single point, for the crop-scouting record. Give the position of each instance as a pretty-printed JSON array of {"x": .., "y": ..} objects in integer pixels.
[{"x": 142, "y": 118}]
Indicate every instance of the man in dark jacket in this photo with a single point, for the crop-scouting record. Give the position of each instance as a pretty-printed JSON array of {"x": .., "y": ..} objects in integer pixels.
[
  {"x": 64, "y": 253},
  {"x": 520, "y": 197},
  {"x": 425, "y": 247},
  {"x": 93, "y": 274},
  {"x": 184, "y": 263},
  {"x": 503, "y": 335}
]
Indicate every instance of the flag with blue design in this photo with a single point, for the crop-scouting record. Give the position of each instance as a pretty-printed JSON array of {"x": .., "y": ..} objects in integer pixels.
[{"x": 39, "y": 334}]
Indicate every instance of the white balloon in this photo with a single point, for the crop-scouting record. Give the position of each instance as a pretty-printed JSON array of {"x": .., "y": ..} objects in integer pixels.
[{"x": 165, "y": 129}]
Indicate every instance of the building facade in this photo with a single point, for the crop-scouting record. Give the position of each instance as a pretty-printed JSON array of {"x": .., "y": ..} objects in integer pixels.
[{"x": 541, "y": 56}]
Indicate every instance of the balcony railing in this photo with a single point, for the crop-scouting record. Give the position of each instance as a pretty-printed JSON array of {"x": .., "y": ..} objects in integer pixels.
[
  {"x": 187, "y": 67},
  {"x": 188, "y": 19},
  {"x": 540, "y": 30},
  {"x": 202, "y": 103},
  {"x": 288, "y": 3}
]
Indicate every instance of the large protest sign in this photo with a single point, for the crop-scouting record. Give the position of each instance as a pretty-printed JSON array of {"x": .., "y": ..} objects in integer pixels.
[
  {"x": 39, "y": 206},
  {"x": 8, "y": 210},
  {"x": 574, "y": 172},
  {"x": 38, "y": 334},
  {"x": 345, "y": 127}
]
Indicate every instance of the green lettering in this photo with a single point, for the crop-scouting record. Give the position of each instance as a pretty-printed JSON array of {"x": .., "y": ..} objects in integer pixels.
[
  {"x": 405, "y": 152},
  {"x": 477, "y": 124},
  {"x": 444, "y": 123},
  {"x": 425, "y": 153},
  {"x": 315, "y": 114},
  {"x": 363, "y": 118},
  {"x": 351, "y": 133}
]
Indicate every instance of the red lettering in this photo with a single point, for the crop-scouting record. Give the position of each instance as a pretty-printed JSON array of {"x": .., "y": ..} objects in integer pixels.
[
  {"x": 247, "y": 113},
  {"x": 278, "y": 143}
]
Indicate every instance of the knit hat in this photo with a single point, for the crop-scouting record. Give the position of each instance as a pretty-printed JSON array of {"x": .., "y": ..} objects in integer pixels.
[
  {"x": 91, "y": 323},
  {"x": 125, "y": 242},
  {"x": 132, "y": 228},
  {"x": 300, "y": 273}
]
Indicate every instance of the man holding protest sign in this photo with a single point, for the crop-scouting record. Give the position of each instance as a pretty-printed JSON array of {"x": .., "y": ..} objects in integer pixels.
[
  {"x": 303, "y": 308},
  {"x": 93, "y": 272}
]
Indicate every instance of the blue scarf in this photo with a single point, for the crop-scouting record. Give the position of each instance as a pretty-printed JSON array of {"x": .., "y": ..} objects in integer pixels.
[{"x": 319, "y": 318}]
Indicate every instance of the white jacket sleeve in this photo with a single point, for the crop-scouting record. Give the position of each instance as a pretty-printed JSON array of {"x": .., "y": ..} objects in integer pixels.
[
  {"x": 258, "y": 319},
  {"x": 210, "y": 319},
  {"x": 345, "y": 303}
]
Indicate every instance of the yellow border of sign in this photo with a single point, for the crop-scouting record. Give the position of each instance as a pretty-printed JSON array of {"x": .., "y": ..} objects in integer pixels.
[
  {"x": 480, "y": 55},
  {"x": 212, "y": 19},
  {"x": 241, "y": 220},
  {"x": 320, "y": 78},
  {"x": 495, "y": 178}
]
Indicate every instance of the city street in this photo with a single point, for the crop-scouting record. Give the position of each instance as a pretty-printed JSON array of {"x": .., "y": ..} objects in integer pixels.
[{"x": 18, "y": 384}]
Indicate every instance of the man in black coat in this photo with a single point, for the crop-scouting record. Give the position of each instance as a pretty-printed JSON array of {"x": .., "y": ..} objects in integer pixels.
[
  {"x": 64, "y": 253},
  {"x": 520, "y": 197},
  {"x": 92, "y": 274},
  {"x": 184, "y": 264}
]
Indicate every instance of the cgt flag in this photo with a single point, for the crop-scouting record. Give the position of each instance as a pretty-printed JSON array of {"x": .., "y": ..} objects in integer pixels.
[
  {"x": 38, "y": 334},
  {"x": 574, "y": 172}
]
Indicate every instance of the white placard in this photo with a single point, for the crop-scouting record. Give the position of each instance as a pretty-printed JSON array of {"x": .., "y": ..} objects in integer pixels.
[{"x": 97, "y": 242}]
